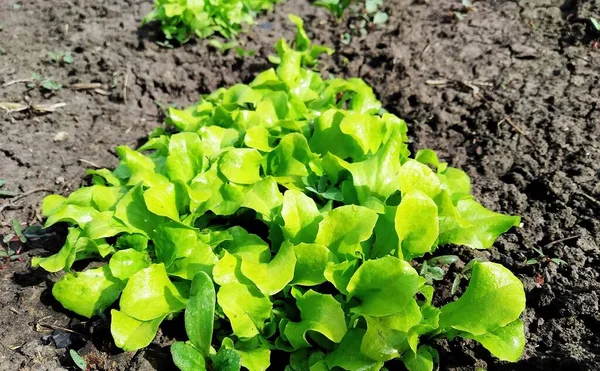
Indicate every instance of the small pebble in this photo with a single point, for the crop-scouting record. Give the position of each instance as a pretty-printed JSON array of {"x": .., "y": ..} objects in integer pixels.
[
  {"x": 62, "y": 339},
  {"x": 60, "y": 136}
]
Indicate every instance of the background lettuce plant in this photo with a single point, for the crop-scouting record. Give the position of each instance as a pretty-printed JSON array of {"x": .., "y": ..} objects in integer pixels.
[
  {"x": 281, "y": 218},
  {"x": 182, "y": 19}
]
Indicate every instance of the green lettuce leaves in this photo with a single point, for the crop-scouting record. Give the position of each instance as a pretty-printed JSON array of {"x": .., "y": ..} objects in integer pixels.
[
  {"x": 182, "y": 19},
  {"x": 282, "y": 216}
]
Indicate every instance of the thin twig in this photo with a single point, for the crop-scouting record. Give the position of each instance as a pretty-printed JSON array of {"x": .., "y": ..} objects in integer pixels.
[
  {"x": 90, "y": 163},
  {"x": 86, "y": 86},
  {"x": 60, "y": 328},
  {"x": 9, "y": 83},
  {"x": 588, "y": 197},
  {"x": 125, "y": 86},
  {"x": 517, "y": 129},
  {"x": 45, "y": 108},
  {"x": 13, "y": 107},
  {"x": 28, "y": 193},
  {"x": 23, "y": 195},
  {"x": 101, "y": 92},
  {"x": 480, "y": 83},
  {"x": 15, "y": 311},
  {"x": 437, "y": 82},
  {"x": 561, "y": 240},
  {"x": 469, "y": 85}
]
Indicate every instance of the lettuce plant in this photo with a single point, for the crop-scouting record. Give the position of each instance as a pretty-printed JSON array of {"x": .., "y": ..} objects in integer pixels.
[
  {"x": 181, "y": 19},
  {"x": 280, "y": 218}
]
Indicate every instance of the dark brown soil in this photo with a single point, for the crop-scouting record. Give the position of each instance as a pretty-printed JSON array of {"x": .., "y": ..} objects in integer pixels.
[{"x": 510, "y": 94}]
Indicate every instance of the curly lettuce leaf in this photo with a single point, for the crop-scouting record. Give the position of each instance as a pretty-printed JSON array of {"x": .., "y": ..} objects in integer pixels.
[
  {"x": 378, "y": 280},
  {"x": 488, "y": 311},
  {"x": 89, "y": 292},
  {"x": 150, "y": 294},
  {"x": 245, "y": 307},
  {"x": 344, "y": 228},
  {"x": 318, "y": 313},
  {"x": 125, "y": 263},
  {"x": 416, "y": 224},
  {"x": 348, "y": 355},
  {"x": 131, "y": 334}
]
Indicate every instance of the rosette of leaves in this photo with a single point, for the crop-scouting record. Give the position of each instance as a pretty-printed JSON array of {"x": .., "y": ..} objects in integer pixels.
[
  {"x": 182, "y": 19},
  {"x": 280, "y": 219}
]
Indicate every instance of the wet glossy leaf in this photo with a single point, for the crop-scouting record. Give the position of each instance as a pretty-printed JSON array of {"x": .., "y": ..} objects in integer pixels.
[
  {"x": 200, "y": 311},
  {"x": 187, "y": 358}
]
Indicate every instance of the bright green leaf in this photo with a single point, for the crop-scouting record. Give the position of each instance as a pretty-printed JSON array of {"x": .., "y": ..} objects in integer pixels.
[
  {"x": 62, "y": 259},
  {"x": 125, "y": 263},
  {"x": 486, "y": 225},
  {"x": 88, "y": 293},
  {"x": 319, "y": 313},
  {"x": 339, "y": 274},
  {"x": 505, "y": 343},
  {"x": 174, "y": 241},
  {"x": 414, "y": 176},
  {"x": 75, "y": 214},
  {"x": 290, "y": 160},
  {"x": 199, "y": 313},
  {"x": 131, "y": 334},
  {"x": 344, "y": 228},
  {"x": 300, "y": 217},
  {"x": 150, "y": 294},
  {"x": 387, "y": 337},
  {"x": 377, "y": 176},
  {"x": 255, "y": 355},
  {"x": 162, "y": 200},
  {"x": 241, "y": 165},
  {"x": 227, "y": 360},
  {"x": 348, "y": 355},
  {"x": 311, "y": 263},
  {"x": 494, "y": 298},
  {"x": 264, "y": 198},
  {"x": 272, "y": 277},
  {"x": 423, "y": 360},
  {"x": 187, "y": 358},
  {"x": 416, "y": 224},
  {"x": 131, "y": 210},
  {"x": 245, "y": 307},
  {"x": 185, "y": 159},
  {"x": 136, "y": 242},
  {"x": 455, "y": 181},
  {"x": 376, "y": 281}
]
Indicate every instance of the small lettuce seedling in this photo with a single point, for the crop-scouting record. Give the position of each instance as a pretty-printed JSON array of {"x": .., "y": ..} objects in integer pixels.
[
  {"x": 182, "y": 19},
  {"x": 335, "y": 7},
  {"x": 43, "y": 84},
  {"x": 60, "y": 57},
  {"x": 281, "y": 217}
]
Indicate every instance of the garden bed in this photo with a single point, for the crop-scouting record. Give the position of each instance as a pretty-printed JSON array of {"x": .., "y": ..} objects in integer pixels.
[{"x": 509, "y": 94}]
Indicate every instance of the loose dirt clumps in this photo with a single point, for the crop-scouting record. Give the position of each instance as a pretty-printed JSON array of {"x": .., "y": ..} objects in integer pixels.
[{"x": 509, "y": 94}]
